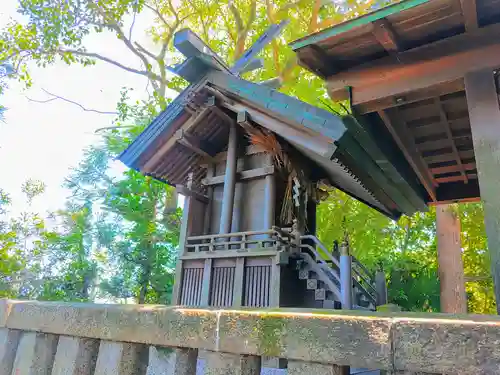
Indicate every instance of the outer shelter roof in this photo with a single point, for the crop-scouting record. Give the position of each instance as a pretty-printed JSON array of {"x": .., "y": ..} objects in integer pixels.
[{"x": 403, "y": 67}]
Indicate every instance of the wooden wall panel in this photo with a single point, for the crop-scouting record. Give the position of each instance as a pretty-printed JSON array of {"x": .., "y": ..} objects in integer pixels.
[
  {"x": 198, "y": 210},
  {"x": 257, "y": 286},
  {"x": 222, "y": 287},
  {"x": 253, "y": 205},
  {"x": 192, "y": 279},
  {"x": 216, "y": 209}
]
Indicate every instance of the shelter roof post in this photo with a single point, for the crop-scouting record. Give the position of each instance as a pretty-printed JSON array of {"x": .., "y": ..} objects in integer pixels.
[{"x": 484, "y": 113}]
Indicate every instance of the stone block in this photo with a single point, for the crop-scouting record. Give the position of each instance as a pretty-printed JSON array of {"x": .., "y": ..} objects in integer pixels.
[
  {"x": 119, "y": 358},
  {"x": 447, "y": 345},
  {"x": 218, "y": 363},
  {"x": 155, "y": 325},
  {"x": 360, "y": 340},
  {"x": 75, "y": 356},
  {"x": 172, "y": 361},
  {"x": 5, "y": 306},
  {"x": 9, "y": 340},
  {"x": 35, "y": 354},
  {"x": 309, "y": 368}
]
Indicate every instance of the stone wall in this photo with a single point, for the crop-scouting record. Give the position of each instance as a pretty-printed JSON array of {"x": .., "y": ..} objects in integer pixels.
[{"x": 59, "y": 338}]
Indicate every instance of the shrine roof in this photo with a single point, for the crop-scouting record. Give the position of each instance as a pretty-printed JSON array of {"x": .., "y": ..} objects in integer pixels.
[
  {"x": 399, "y": 27},
  {"x": 193, "y": 130}
]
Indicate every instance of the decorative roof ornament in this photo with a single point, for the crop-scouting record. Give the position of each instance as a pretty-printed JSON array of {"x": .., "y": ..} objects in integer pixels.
[{"x": 200, "y": 57}]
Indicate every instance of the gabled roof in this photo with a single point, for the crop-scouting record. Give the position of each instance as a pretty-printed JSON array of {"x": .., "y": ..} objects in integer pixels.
[{"x": 194, "y": 128}]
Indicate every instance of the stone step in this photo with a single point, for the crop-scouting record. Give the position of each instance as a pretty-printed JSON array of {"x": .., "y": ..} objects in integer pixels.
[
  {"x": 312, "y": 284},
  {"x": 304, "y": 274}
]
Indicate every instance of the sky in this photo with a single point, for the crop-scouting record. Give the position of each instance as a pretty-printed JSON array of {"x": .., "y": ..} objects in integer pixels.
[{"x": 44, "y": 141}]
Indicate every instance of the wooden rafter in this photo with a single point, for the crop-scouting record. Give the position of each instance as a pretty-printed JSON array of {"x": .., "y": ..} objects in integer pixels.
[
  {"x": 469, "y": 11},
  {"x": 400, "y": 133},
  {"x": 452, "y": 168},
  {"x": 328, "y": 65},
  {"x": 446, "y": 126},
  {"x": 192, "y": 143},
  {"x": 386, "y": 36}
]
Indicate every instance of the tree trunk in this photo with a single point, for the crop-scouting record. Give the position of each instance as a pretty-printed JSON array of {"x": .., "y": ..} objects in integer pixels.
[{"x": 451, "y": 268}]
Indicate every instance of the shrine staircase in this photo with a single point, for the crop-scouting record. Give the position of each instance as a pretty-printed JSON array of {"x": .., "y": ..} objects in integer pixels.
[{"x": 321, "y": 269}]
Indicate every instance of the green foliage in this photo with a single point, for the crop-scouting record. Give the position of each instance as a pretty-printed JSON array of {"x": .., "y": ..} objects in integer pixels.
[{"x": 23, "y": 242}]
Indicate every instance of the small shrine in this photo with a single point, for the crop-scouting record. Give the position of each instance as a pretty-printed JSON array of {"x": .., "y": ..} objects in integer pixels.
[{"x": 253, "y": 164}]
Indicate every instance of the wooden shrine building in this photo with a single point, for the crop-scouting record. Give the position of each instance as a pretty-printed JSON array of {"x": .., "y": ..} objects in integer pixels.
[
  {"x": 424, "y": 73},
  {"x": 421, "y": 84},
  {"x": 252, "y": 164}
]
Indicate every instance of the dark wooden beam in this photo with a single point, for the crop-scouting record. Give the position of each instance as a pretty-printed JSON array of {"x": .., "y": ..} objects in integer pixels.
[
  {"x": 386, "y": 36},
  {"x": 469, "y": 11},
  {"x": 484, "y": 114},
  {"x": 170, "y": 142},
  {"x": 187, "y": 192},
  {"x": 453, "y": 168},
  {"x": 401, "y": 135},
  {"x": 419, "y": 68},
  {"x": 446, "y": 126},
  {"x": 445, "y": 180},
  {"x": 192, "y": 143},
  {"x": 324, "y": 64},
  {"x": 411, "y": 97},
  {"x": 243, "y": 175}
]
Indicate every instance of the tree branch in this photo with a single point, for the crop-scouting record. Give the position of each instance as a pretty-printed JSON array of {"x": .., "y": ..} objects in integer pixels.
[
  {"x": 237, "y": 18},
  {"x": 98, "y": 56},
  {"x": 144, "y": 50},
  {"x": 57, "y": 97},
  {"x": 158, "y": 13},
  {"x": 114, "y": 127},
  {"x": 133, "y": 21},
  {"x": 113, "y": 25}
]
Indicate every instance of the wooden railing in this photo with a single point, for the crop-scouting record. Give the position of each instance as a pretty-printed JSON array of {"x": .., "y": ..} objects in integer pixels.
[
  {"x": 89, "y": 339},
  {"x": 362, "y": 278},
  {"x": 238, "y": 241}
]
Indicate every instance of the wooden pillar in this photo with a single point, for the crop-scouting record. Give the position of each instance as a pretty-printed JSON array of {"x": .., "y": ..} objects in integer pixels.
[
  {"x": 186, "y": 224},
  {"x": 208, "y": 208},
  {"x": 345, "y": 278},
  {"x": 381, "y": 287},
  {"x": 484, "y": 114},
  {"x": 270, "y": 197},
  {"x": 450, "y": 265},
  {"x": 270, "y": 202},
  {"x": 229, "y": 181}
]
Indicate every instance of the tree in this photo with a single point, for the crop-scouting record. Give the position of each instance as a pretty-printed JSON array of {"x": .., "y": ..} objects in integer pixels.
[
  {"x": 5, "y": 72},
  {"x": 56, "y": 31},
  {"x": 23, "y": 245}
]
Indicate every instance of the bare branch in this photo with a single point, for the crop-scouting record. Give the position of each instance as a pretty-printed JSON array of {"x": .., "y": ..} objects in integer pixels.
[
  {"x": 144, "y": 50},
  {"x": 158, "y": 13},
  {"x": 113, "y": 25},
  {"x": 114, "y": 127},
  {"x": 98, "y": 56},
  {"x": 237, "y": 18},
  {"x": 133, "y": 21},
  {"x": 56, "y": 97}
]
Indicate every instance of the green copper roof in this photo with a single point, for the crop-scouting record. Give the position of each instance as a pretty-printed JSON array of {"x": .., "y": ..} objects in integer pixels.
[{"x": 356, "y": 22}]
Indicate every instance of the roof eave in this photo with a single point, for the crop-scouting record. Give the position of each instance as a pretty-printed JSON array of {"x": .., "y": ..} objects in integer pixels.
[{"x": 354, "y": 23}]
